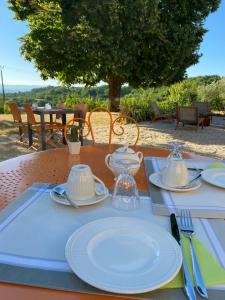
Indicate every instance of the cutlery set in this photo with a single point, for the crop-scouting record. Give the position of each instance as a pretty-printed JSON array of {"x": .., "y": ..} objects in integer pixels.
[{"x": 186, "y": 227}]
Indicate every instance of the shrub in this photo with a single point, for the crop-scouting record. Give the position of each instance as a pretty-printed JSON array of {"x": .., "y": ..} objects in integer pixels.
[
  {"x": 214, "y": 93},
  {"x": 6, "y": 108},
  {"x": 1, "y": 106},
  {"x": 183, "y": 93},
  {"x": 71, "y": 100},
  {"x": 134, "y": 107}
]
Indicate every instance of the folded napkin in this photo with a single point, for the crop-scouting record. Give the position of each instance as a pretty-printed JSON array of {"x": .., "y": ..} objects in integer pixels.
[
  {"x": 216, "y": 165},
  {"x": 212, "y": 272}
]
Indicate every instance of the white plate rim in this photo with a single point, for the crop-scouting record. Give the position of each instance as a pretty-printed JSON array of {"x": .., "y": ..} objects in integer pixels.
[
  {"x": 63, "y": 201},
  {"x": 196, "y": 184},
  {"x": 167, "y": 276},
  {"x": 207, "y": 172}
]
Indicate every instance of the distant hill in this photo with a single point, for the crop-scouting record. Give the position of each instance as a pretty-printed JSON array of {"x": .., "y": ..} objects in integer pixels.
[
  {"x": 53, "y": 94},
  {"x": 59, "y": 94},
  {"x": 10, "y": 88}
]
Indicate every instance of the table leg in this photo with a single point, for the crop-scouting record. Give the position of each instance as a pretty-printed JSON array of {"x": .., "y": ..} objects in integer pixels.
[
  {"x": 30, "y": 135},
  {"x": 81, "y": 135},
  {"x": 21, "y": 134},
  {"x": 64, "y": 123},
  {"x": 42, "y": 133},
  {"x": 51, "y": 122}
]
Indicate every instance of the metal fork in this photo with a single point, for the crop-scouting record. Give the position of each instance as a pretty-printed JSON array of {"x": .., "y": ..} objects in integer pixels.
[{"x": 186, "y": 226}]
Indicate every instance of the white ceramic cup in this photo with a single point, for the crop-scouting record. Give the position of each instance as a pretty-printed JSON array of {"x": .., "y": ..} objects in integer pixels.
[
  {"x": 48, "y": 106},
  {"x": 34, "y": 105},
  {"x": 175, "y": 174},
  {"x": 81, "y": 183}
]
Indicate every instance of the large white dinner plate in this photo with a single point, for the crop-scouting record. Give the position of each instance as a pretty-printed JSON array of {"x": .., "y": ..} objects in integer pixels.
[
  {"x": 123, "y": 255},
  {"x": 215, "y": 176},
  {"x": 96, "y": 199},
  {"x": 155, "y": 178}
]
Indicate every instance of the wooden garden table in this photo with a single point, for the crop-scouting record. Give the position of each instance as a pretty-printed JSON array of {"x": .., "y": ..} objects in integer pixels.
[
  {"x": 53, "y": 166},
  {"x": 42, "y": 112}
]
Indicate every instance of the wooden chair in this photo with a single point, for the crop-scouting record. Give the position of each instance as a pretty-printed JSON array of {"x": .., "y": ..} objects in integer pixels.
[
  {"x": 83, "y": 107},
  {"x": 17, "y": 118},
  {"x": 51, "y": 129},
  {"x": 59, "y": 116},
  {"x": 157, "y": 115},
  {"x": 188, "y": 115},
  {"x": 116, "y": 126},
  {"x": 203, "y": 111}
]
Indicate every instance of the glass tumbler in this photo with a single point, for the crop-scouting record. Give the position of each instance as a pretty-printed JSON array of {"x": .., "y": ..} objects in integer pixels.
[{"x": 125, "y": 194}]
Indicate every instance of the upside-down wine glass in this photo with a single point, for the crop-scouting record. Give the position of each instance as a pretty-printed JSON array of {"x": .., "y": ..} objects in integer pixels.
[
  {"x": 125, "y": 194},
  {"x": 175, "y": 173}
]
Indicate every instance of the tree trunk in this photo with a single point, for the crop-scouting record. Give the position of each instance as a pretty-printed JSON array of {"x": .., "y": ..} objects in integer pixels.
[{"x": 114, "y": 94}]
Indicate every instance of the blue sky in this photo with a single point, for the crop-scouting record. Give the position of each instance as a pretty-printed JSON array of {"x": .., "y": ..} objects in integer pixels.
[{"x": 18, "y": 71}]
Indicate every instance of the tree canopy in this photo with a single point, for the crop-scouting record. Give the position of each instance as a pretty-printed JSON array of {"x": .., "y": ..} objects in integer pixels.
[{"x": 140, "y": 42}]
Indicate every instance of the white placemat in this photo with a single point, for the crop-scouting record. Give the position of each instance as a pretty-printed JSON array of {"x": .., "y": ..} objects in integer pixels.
[
  {"x": 207, "y": 202},
  {"x": 37, "y": 234}
]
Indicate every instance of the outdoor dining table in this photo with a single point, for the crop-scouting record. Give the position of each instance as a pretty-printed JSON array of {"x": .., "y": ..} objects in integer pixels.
[
  {"x": 61, "y": 111},
  {"x": 53, "y": 166}
]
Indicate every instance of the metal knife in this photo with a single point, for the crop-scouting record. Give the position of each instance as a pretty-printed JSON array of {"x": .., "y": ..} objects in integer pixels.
[
  {"x": 188, "y": 287},
  {"x": 195, "y": 169}
]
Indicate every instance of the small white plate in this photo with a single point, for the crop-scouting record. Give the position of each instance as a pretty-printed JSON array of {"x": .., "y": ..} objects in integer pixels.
[
  {"x": 215, "y": 176},
  {"x": 123, "y": 255},
  {"x": 155, "y": 178},
  {"x": 62, "y": 200}
]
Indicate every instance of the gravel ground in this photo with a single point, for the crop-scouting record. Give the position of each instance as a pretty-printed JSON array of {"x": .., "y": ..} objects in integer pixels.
[{"x": 208, "y": 141}]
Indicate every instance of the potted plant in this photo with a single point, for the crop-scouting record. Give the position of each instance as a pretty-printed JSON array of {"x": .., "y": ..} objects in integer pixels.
[{"x": 73, "y": 140}]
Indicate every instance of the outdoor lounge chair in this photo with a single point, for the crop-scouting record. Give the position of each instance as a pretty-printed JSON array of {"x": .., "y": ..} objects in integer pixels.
[
  {"x": 157, "y": 115},
  {"x": 188, "y": 115},
  {"x": 203, "y": 111}
]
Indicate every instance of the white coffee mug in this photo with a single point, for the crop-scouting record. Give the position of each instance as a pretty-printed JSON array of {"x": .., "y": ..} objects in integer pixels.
[
  {"x": 81, "y": 183},
  {"x": 175, "y": 174}
]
